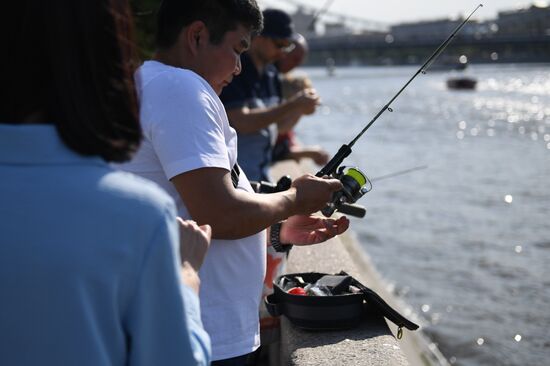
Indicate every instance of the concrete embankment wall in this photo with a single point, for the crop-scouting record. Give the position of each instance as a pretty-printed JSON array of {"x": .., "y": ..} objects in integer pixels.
[{"x": 372, "y": 341}]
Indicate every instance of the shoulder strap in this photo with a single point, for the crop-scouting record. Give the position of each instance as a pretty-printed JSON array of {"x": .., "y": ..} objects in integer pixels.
[{"x": 235, "y": 172}]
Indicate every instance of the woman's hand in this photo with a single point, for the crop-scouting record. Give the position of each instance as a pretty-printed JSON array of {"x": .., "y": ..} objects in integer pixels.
[
  {"x": 307, "y": 230},
  {"x": 194, "y": 243}
]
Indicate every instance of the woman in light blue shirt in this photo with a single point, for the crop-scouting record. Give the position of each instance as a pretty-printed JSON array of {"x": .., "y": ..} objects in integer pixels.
[{"x": 91, "y": 271}]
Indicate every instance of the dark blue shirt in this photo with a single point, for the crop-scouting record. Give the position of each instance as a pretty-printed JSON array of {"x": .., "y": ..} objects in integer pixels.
[{"x": 254, "y": 90}]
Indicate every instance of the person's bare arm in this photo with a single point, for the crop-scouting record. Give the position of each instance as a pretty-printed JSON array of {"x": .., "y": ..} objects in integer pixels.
[
  {"x": 232, "y": 213},
  {"x": 246, "y": 120}
]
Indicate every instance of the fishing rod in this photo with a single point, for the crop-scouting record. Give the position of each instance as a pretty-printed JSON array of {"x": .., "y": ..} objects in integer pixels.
[{"x": 355, "y": 182}]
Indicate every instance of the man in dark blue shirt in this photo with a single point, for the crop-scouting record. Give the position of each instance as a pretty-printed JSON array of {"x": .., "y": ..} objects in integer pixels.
[{"x": 253, "y": 99}]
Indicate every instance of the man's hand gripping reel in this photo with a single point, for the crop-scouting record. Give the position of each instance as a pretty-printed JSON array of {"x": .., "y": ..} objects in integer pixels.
[{"x": 355, "y": 185}]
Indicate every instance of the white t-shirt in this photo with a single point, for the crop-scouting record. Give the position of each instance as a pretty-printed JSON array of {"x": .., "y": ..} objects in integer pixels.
[{"x": 185, "y": 127}]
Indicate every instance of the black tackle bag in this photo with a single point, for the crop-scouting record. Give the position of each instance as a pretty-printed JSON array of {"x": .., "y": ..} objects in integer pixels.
[{"x": 333, "y": 302}]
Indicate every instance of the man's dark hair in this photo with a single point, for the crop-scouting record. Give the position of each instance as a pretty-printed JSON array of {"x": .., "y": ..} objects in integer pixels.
[
  {"x": 219, "y": 16},
  {"x": 72, "y": 61}
]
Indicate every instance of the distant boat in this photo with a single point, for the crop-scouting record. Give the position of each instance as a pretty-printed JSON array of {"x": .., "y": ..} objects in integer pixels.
[{"x": 464, "y": 83}]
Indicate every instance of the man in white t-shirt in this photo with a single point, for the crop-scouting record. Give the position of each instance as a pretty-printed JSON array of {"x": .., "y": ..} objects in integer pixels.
[{"x": 191, "y": 151}]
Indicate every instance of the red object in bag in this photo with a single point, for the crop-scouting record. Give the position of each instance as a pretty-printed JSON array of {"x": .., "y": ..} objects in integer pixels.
[{"x": 297, "y": 291}]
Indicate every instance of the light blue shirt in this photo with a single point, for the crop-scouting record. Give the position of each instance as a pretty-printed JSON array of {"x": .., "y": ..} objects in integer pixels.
[{"x": 89, "y": 270}]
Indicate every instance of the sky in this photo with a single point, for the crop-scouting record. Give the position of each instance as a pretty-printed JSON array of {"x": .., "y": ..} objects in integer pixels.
[{"x": 395, "y": 11}]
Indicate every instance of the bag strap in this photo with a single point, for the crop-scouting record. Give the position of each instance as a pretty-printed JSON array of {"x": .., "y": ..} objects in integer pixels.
[
  {"x": 373, "y": 299},
  {"x": 235, "y": 172}
]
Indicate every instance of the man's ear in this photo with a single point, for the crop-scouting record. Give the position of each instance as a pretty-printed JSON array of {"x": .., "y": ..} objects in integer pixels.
[{"x": 196, "y": 35}]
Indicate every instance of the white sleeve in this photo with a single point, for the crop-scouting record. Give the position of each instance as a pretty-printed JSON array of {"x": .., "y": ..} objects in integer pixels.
[{"x": 182, "y": 120}]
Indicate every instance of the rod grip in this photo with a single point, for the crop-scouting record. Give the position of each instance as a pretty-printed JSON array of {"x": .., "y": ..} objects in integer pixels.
[{"x": 335, "y": 162}]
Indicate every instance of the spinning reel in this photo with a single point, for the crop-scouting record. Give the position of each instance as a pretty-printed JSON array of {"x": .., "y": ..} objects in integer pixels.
[{"x": 356, "y": 184}]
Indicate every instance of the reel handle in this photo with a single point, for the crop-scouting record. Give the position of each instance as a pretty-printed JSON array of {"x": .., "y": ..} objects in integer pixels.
[
  {"x": 345, "y": 208},
  {"x": 352, "y": 210}
]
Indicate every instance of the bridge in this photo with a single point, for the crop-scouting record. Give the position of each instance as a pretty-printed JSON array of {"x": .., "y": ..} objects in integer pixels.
[{"x": 368, "y": 50}]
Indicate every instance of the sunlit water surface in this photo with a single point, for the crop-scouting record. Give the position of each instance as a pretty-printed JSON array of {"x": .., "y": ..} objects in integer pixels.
[{"x": 465, "y": 242}]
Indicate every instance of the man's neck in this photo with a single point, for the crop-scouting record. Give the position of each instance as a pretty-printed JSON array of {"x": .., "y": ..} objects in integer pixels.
[{"x": 171, "y": 57}]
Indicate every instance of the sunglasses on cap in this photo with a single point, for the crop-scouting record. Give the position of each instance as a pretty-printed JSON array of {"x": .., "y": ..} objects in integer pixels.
[{"x": 283, "y": 45}]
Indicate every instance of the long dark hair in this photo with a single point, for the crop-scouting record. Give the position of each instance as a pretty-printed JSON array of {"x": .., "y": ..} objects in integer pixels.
[{"x": 72, "y": 61}]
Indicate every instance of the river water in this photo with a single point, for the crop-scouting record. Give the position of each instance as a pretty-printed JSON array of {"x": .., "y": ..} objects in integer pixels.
[{"x": 466, "y": 241}]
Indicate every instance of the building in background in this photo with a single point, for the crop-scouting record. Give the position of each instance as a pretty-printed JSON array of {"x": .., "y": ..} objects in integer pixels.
[
  {"x": 533, "y": 21},
  {"x": 521, "y": 35},
  {"x": 431, "y": 30}
]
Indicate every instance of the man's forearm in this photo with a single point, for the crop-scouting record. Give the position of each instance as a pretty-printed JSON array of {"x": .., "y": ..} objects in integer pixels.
[
  {"x": 249, "y": 214},
  {"x": 232, "y": 213},
  {"x": 246, "y": 120},
  {"x": 210, "y": 198}
]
